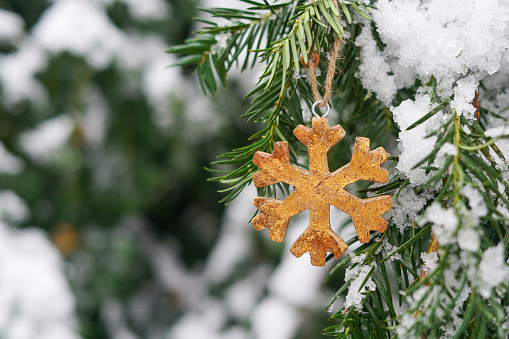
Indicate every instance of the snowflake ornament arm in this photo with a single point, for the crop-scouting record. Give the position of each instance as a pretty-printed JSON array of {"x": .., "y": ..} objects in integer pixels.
[
  {"x": 365, "y": 165},
  {"x": 317, "y": 189}
]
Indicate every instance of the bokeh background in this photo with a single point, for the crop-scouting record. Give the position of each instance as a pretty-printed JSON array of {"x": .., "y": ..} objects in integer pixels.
[{"x": 108, "y": 225}]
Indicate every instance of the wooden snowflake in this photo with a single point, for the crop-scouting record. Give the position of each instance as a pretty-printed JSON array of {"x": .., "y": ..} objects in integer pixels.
[{"x": 316, "y": 189}]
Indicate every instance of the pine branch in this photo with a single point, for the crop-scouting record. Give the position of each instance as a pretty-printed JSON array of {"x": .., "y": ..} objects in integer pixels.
[
  {"x": 464, "y": 182},
  {"x": 280, "y": 90},
  {"x": 430, "y": 311}
]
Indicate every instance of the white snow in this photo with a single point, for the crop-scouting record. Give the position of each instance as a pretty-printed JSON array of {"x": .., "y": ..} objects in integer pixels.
[
  {"x": 389, "y": 249},
  {"x": 406, "y": 207},
  {"x": 205, "y": 323},
  {"x": 497, "y": 131},
  {"x": 464, "y": 93},
  {"x": 358, "y": 273},
  {"x": 275, "y": 319},
  {"x": 373, "y": 70},
  {"x": 171, "y": 271},
  {"x": 421, "y": 292},
  {"x": 445, "y": 222},
  {"x": 140, "y": 51},
  {"x": 147, "y": 9},
  {"x": 453, "y": 42},
  {"x": 13, "y": 209},
  {"x": 407, "y": 322},
  {"x": 430, "y": 261},
  {"x": 412, "y": 143},
  {"x": 11, "y": 25},
  {"x": 453, "y": 277},
  {"x": 47, "y": 139},
  {"x": 502, "y": 144},
  {"x": 448, "y": 149},
  {"x": 234, "y": 242},
  {"x": 94, "y": 120},
  {"x": 221, "y": 42},
  {"x": 493, "y": 270},
  {"x": 82, "y": 28},
  {"x": 79, "y": 27},
  {"x": 476, "y": 202},
  {"x": 242, "y": 297},
  {"x": 35, "y": 299},
  {"x": 444, "y": 38},
  {"x": 112, "y": 314},
  {"x": 17, "y": 73},
  {"x": 158, "y": 82},
  {"x": 469, "y": 239},
  {"x": 9, "y": 163},
  {"x": 452, "y": 327}
]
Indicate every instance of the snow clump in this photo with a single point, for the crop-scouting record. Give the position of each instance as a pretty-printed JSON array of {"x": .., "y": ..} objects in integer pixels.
[
  {"x": 64, "y": 27},
  {"x": 35, "y": 299},
  {"x": 358, "y": 273},
  {"x": 493, "y": 270},
  {"x": 406, "y": 206},
  {"x": 11, "y": 25},
  {"x": 445, "y": 223},
  {"x": 389, "y": 249},
  {"x": 444, "y": 38},
  {"x": 469, "y": 240},
  {"x": 476, "y": 202},
  {"x": 464, "y": 92},
  {"x": 430, "y": 261},
  {"x": 48, "y": 138},
  {"x": 413, "y": 143},
  {"x": 374, "y": 71}
]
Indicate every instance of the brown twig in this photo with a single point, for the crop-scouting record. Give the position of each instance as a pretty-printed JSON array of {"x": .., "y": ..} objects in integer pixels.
[{"x": 477, "y": 104}]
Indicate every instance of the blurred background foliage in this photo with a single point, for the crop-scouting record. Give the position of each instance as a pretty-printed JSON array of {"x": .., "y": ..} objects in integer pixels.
[{"x": 109, "y": 158}]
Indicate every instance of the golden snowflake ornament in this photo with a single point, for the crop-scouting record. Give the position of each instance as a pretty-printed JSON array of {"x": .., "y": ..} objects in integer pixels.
[{"x": 316, "y": 189}]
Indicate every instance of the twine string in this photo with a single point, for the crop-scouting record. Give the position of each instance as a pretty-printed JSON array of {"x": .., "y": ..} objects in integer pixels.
[{"x": 331, "y": 69}]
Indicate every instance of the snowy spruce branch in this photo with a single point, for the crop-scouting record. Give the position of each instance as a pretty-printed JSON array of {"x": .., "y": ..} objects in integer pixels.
[{"x": 427, "y": 77}]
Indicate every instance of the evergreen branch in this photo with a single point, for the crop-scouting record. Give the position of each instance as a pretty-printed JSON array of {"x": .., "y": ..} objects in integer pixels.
[
  {"x": 472, "y": 165},
  {"x": 454, "y": 174},
  {"x": 277, "y": 89},
  {"x": 479, "y": 147},
  {"x": 424, "y": 232},
  {"x": 218, "y": 47}
]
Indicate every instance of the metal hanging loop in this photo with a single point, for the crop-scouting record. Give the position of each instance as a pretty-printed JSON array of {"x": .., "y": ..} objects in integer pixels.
[{"x": 316, "y": 114}]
